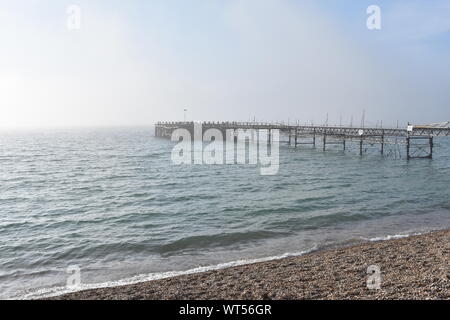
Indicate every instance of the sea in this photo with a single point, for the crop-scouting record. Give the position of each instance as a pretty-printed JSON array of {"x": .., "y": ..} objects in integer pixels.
[{"x": 96, "y": 207}]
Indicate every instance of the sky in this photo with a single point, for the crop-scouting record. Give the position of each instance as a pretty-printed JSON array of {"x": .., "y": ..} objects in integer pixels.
[{"x": 136, "y": 62}]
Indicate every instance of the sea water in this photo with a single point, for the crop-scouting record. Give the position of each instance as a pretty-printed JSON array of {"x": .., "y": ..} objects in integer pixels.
[{"x": 112, "y": 204}]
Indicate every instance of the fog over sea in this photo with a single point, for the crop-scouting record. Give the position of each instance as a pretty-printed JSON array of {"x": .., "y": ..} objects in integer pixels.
[{"x": 111, "y": 202}]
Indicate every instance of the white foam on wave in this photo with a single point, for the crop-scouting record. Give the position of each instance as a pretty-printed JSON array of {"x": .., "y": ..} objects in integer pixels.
[
  {"x": 57, "y": 291},
  {"x": 392, "y": 237}
]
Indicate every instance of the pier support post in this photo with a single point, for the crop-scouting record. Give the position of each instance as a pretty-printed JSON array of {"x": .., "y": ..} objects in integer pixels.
[
  {"x": 361, "y": 147},
  {"x": 290, "y": 133},
  {"x": 270, "y": 136},
  {"x": 408, "y": 147},
  {"x": 324, "y": 142},
  {"x": 344, "y": 144},
  {"x": 431, "y": 147},
  {"x": 382, "y": 144},
  {"x": 314, "y": 138},
  {"x": 296, "y": 138}
]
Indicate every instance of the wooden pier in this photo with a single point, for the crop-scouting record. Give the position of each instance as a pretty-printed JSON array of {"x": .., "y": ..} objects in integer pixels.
[{"x": 329, "y": 134}]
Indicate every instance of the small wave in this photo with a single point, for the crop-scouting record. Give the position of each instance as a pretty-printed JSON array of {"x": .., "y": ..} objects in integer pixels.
[
  {"x": 7, "y": 225},
  {"x": 299, "y": 223},
  {"x": 314, "y": 199},
  {"x": 215, "y": 240},
  {"x": 392, "y": 237},
  {"x": 275, "y": 210},
  {"x": 57, "y": 291}
]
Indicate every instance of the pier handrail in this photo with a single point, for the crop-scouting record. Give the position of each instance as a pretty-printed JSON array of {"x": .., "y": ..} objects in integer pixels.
[{"x": 441, "y": 129}]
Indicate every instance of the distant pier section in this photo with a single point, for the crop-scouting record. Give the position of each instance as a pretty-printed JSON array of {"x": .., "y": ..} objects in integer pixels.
[{"x": 418, "y": 139}]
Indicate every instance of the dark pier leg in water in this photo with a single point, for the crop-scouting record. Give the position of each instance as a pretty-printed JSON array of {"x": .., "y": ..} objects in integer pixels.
[
  {"x": 431, "y": 147},
  {"x": 296, "y": 138},
  {"x": 361, "y": 147},
  {"x": 290, "y": 133},
  {"x": 382, "y": 145},
  {"x": 408, "y": 147},
  {"x": 324, "y": 142},
  {"x": 314, "y": 138},
  {"x": 344, "y": 144}
]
